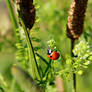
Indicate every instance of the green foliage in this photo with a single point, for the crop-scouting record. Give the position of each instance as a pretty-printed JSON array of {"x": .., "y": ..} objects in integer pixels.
[
  {"x": 51, "y": 88},
  {"x": 82, "y": 58},
  {"x": 22, "y": 55},
  {"x": 83, "y": 54},
  {"x": 3, "y": 85},
  {"x": 52, "y": 17},
  {"x": 51, "y": 44}
]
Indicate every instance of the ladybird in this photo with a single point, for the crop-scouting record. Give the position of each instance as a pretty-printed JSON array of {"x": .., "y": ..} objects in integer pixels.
[{"x": 53, "y": 55}]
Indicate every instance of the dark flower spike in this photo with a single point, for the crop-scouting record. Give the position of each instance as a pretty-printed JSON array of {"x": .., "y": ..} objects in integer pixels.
[
  {"x": 27, "y": 10},
  {"x": 76, "y": 18}
]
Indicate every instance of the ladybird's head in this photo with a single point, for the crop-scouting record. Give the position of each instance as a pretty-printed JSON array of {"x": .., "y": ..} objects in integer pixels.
[{"x": 49, "y": 51}]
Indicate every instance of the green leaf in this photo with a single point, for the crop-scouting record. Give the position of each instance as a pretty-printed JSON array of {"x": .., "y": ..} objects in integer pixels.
[
  {"x": 87, "y": 63},
  {"x": 35, "y": 39},
  {"x": 68, "y": 61},
  {"x": 37, "y": 29},
  {"x": 80, "y": 72},
  {"x": 37, "y": 48}
]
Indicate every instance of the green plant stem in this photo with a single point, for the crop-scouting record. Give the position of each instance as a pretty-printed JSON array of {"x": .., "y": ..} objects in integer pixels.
[
  {"x": 31, "y": 51},
  {"x": 12, "y": 16},
  {"x": 74, "y": 75},
  {"x": 35, "y": 73},
  {"x": 49, "y": 65},
  {"x": 13, "y": 20},
  {"x": 12, "y": 86},
  {"x": 74, "y": 81},
  {"x": 45, "y": 61}
]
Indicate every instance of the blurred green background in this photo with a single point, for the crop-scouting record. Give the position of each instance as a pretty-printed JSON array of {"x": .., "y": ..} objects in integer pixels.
[{"x": 52, "y": 22}]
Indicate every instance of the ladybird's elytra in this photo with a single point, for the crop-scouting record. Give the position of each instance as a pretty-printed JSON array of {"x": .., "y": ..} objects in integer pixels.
[{"x": 53, "y": 55}]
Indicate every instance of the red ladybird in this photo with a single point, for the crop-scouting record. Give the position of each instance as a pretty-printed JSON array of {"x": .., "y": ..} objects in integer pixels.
[{"x": 54, "y": 55}]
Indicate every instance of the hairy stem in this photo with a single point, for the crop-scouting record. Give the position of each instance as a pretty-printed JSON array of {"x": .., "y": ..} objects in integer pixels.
[{"x": 33, "y": 63}]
